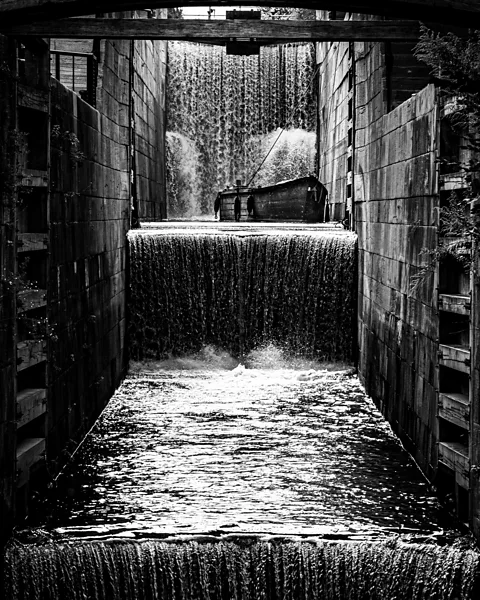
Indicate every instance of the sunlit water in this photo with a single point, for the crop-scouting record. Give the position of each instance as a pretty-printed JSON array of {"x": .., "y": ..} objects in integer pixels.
[
  {"x": 206, "y": 479},
  {"x": 205, "y": 444},
  {"x": 224, "y": 114},
  {"x": 264, "y": 476}
]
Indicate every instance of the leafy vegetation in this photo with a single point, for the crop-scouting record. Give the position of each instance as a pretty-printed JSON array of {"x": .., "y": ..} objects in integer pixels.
[
  {"x": 278, "y": 13},
  {"x": 67, "y": 141},
  {"x": 454, "y": 61},
  {"x": 455, "y": 66},
  {"x": 175, "y": 13},
  {"x": 456, "y": 230}
]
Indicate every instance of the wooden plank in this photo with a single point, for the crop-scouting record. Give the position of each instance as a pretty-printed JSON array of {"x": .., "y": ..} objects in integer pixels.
[
  {"x": 29, "y": 452},
  {"x": 452, "y": 181},
  {"x": 34, "y": 178},
  {"x": 33, "y": 98},
  {"x": 31, "y": 299},
  {"x": 454, "y": 408},
  {"x": 456, "y": 303},
  {"x": 449, "y": 106},
  {"x": 454, "y": 456},
  {"x": 455, "y": 357},
  {"x": 474, "y": 393},
  {"x": 31, "y": 403},
  {"x": 30, "y": 352},
  {"x": 219, "y": 31},
  {"x": 29, "y": 242},
  {"x": 447, "y": 11}
]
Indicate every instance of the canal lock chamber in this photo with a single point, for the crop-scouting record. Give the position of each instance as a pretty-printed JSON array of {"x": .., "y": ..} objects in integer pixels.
[{"x": 240, "y": 342}]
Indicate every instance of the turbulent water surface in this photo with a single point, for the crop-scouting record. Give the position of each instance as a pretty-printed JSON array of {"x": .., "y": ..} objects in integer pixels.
[
  {"x": 236, "y": 426},
  {"x": 199, "y": 445},
  {"x": 257, "y": 474},
  {"x": 207, "y": 479}
]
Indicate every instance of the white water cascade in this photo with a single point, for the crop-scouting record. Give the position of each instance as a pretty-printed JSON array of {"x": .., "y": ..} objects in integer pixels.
[{"x": 224, "y": 112}]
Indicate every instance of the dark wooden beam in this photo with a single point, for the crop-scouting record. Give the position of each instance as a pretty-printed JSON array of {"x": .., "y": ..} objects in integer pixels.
[
  {"x": 458, "y": 12},
  {"x": 215, "y": 32}
]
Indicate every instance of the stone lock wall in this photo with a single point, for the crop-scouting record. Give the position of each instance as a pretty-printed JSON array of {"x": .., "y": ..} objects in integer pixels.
[
  {"x": 91, "y": 205},
  {"x": 333, "y": 120},
  {"x": 63, "y": 253},
  {"x": 90, "y": 216},
  {"x": 379, "y": 154},
  {"x": 149, "y": 93},
  {"x": 396, "y": 218},
  {"x": 7, "y": 295},
  {"x": 417, "y": 319},
  {"x": 131, "y": 92}
]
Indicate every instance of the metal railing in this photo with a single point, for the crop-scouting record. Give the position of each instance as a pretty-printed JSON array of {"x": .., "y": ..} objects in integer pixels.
[{"x": 77, "y": 71}]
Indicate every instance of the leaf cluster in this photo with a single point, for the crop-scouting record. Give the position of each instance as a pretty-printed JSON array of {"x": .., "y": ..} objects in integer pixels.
[
  {"x": 454, "y": 61},
  {"x": 69, "y": 142},
  {"x": 279, "y": 13},
  {"x": 175, "y": 13},
  {"x": 457, "y": 229}
]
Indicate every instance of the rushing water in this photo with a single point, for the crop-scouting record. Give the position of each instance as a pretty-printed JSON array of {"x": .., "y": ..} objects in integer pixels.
[
  {"x": 269, "y": 479},
  {"x": 183, "y": 175},
  {"x": 241, "y": 289},
  {"x": 257, "y": 475},
  {"x": 248, "y": 570},
  {"x": 288, "y": 155},
  {"x": 271, "y": 446},
  {"x": 227, "y": 110}
]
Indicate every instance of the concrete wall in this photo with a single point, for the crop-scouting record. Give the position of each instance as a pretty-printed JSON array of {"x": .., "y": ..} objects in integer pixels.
[
  {"x": 89, "y": 219},
  {"x": 90, "y": 215},
  {"x": 350, "y": 75},
  {"x": 392, "y": 174},
  {"x": 333, "y": 61},
  {"x": 132, "y": 74},
  {"x": 7, "y": 287},
  {"x": 85, "y": 185},
  {"x": 150, "y": 62},
  {"x": 395, "y": 190}
]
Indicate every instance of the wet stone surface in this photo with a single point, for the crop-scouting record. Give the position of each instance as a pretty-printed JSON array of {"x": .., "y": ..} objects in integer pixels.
[{"x": 195, "y": 447}]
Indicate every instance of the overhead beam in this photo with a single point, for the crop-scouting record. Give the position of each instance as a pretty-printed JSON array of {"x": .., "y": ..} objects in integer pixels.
[
  {"x": 215, "y": 32},
  {"x": 459, "y": 12}
]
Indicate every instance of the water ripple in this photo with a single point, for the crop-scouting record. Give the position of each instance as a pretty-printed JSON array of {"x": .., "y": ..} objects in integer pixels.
[{"x": 251, "y": 450}]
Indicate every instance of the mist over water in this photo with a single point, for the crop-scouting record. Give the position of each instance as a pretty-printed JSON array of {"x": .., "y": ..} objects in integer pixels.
[
  {"x": 293, "y": 156},
  {"x": 183, "y": 174},
  {"x": 228, "y": 111}
]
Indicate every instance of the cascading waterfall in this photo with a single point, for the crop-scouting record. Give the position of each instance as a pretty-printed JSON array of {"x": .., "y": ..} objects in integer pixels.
[
  {"x": 240, "y": 292},
  {"x": 226, "y": 107},
  {"x": 240, "y": 289},
  {"x": 182, "y": 161},
  {"x": 246, "y": 570}
]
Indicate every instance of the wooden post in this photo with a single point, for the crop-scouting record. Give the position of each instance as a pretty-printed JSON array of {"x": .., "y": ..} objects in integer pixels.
[
  {"x": 474, "y": 396},
  {"x": 219, "y": 32}
]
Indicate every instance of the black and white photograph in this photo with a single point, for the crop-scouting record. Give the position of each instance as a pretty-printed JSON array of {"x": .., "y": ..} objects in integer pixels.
[{"x": 240, "y": 300}]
